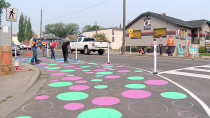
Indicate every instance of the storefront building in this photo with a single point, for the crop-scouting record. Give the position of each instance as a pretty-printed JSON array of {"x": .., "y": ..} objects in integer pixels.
[{"x": 149, "y": 26}]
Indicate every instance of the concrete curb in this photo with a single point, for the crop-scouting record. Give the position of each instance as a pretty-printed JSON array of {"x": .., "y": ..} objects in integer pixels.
[{"x": 22, "y": 96}]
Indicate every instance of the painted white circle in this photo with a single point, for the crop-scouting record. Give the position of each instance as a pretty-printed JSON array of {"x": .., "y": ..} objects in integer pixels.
[
  {"x": 158, "y": 88},
  {"x": 50, "y": 91},
  {"x": 37, "y": 106},
  {"x": 148, "y": 108},
  {"x": 53, "y": 114},
  {"x": 182, "y": 104},
  {"x": 100, "y": 92},
  {"x": 116, "y": 89},
  {"x": 117, "y": 82}
]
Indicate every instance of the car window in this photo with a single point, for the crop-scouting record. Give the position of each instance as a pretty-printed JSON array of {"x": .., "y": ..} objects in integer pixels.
[
  {"x": 13, "y": 44},
  {"x": 79, "y": 39},
  {"x": 75, "y": 40},
  {"x": 89, "y": 39}
]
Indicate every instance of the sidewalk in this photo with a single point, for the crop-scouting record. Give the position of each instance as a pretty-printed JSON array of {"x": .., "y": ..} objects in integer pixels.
[{"x": 16, "y": 85}]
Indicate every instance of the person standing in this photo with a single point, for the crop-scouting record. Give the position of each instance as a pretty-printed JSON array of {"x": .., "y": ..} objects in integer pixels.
[
  {"x": 44, "y": 47},
  {"x": 161, "y": 45},
  {"x": 170, "y": 44},
  {"x": 34, "y": 46},
  {"x": 52, "y": 46},
  {"x": 65, "y": 47}
]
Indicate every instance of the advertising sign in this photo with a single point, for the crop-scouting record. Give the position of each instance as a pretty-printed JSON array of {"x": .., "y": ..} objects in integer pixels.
[
  {"x": 147, "y": 23},
  {"x": 177, "y": 33},
  {"x": 193, "y": 48}
]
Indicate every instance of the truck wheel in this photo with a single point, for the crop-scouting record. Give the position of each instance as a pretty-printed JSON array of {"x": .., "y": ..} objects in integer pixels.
[
  {"x": 87, "y": 52},
  {"x": 82, "y": 51},
  {"x": 101, "y": 52}
]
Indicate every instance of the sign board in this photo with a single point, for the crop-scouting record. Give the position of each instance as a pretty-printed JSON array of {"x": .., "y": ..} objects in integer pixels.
[
  {"x": 11, "y": 14},
  {"x": 131, "y": 32},
  {"x": 180, "y": 49},
  {"x": 147, "y": 23},
  {"x": 130, "y": 35},
  {"x": 193, "y": 47}
]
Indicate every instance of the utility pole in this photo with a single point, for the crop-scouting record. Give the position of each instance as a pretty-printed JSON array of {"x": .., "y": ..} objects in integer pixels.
[
  {"x": 96, "y": 29},
  {"x": 41, "y": 26},
  {"x": 123, "y": 51}
]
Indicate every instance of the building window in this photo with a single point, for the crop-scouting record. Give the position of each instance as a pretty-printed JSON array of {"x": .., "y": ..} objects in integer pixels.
[
  {"x": 137, "y": 34},
  {"x": 207, "y": 36},
  {"x": 183, "y": 34},
  {"x": 112, "y": 32},
  {"x": 112, "y": 39},
  {"x": 160, "y": 31}
]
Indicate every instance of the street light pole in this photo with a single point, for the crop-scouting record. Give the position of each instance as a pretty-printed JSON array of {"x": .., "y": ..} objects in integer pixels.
[{"x": 123, "y": 51}]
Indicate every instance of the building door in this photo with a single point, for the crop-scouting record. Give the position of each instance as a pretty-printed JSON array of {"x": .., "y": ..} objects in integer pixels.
[{"x": 192, "y": 32}]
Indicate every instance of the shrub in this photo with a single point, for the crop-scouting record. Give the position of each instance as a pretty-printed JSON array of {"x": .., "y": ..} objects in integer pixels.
[
  {"x": 148, "y": 47},
  {"x": 134, "y": 48},
  {"x": 201, "y": 49}
]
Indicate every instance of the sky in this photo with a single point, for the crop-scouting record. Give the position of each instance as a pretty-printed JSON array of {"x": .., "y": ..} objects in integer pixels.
[{"x": 107, "y": 13}]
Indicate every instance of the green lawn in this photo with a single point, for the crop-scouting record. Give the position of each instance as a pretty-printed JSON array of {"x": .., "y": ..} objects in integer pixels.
[{"x": 204, "y": 54}]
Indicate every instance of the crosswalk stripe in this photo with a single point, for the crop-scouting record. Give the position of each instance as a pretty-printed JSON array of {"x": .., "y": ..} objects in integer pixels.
[
  {"x": 187, "y": 74},
  {"x": 195, "y": 69},
  {"x": 206, "y": 66}
]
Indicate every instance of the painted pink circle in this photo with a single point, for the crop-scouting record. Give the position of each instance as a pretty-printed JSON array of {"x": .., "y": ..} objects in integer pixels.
[
  {"x": 81, "y": 82},
  {"x": 40, "y": 64},
  {"x": 89, "y": 72},
  {"x": 136, "y": 94},
  {"x": 85, "y": 62},
  {"x": 72, "y": 78},
  {"x": 119, "y": 66},
  {"x": 106, "y": 64},
  {"x": 69, "y": 66},
  {"x": 112, "y": 76},
  {"x": 124, "y": 71},
  {"x": 156, "y": 82},
  {"x": 195, "y": 115},
  {"x": 56, "y": 80},
  {"x": 107, "y": 68},
  {"x": 42, "y": 97},
  {"x": 105, "y": 101},
  {"x": 50, "y": 70},
  {"x": 97, "y": 66},
  {"x": 99, "y": 70},
  {"x": 74, "y": 63},
  {"x": 73, "y": 106},
  {"x": 77, "y": 68},
  {"x": 79, "y": 87},
  {"x": 58, "y": 74}
]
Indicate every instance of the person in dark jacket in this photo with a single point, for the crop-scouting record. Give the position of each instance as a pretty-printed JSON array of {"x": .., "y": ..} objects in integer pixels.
[{"x": 65, "y": 47}]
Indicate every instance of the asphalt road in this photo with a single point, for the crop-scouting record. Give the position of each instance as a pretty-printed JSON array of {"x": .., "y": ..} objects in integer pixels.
[{"x": 182, "y": 81}]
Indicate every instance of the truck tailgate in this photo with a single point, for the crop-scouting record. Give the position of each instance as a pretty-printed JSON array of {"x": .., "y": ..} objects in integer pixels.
[{"x": 101, "y": 44}]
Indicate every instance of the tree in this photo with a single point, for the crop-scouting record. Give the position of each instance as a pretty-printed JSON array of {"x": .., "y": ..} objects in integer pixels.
[
  {"x": 3, "y": 5},
  {"x": 90, "y": 28},
  {"x": 102, "y": 35},
  {"x": 21, "y": 28},
  {"x": 61, "y": 29},
  {"x": 120, "y": 26},
  {"x": 29, "y": 32},
  {"x": 25, "y": 28}
]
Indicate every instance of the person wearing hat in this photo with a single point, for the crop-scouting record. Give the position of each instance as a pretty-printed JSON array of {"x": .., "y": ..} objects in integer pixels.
[{"x": 170, "y": 44}]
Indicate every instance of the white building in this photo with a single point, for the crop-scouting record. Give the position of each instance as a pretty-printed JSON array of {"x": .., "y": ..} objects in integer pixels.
[
  {"x": 114, "y": 35},
  {"x": 15, "y": 39}
]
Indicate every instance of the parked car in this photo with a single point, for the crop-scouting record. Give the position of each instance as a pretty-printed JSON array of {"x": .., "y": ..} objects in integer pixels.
[
  {"x": 23, "y": 46},
  {"x": 13, "y": 49}
]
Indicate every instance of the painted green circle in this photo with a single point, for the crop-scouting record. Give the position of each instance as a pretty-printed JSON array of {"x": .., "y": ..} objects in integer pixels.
[
  {"x": 85, "y": 70},
  {"x": 44, "y": 63},
  {"x": 84, "y": 66},
  {"x": 100, "y": 113},
  {"x": 68, "y": 70},
  {"x": 108, "y": 66},
  {"x": 111, "y": 69},
  {"x": 104, "y": 73},
  {"x": 60, "y": 84},
  {"x": 173, "y": 95},
  {"x": 135, "y": 86},
  {"x": 72, "y": 96},
  {"x": 60, "y": 61},
  {"x": 93, "y": 63},
  {"x": 138, "y": 71},
  {"x": 52, "y": 60},
  {"x": 70, "y": 75},
  {"x": 52, "y": 64},
  {"x": 65, "y": 64},
  {"x": 23, "y": 117},
  {"x": 101, "y": 86},
  {"x": 99, "y": 75},
  {"x": 96, "y": 80},
  {"x": 135, "y": 78},
  {"x": 53, "y": 68}
]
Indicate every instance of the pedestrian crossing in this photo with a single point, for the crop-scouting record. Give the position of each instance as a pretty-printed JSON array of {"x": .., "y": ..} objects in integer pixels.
[{"x": 196, "y": 71}]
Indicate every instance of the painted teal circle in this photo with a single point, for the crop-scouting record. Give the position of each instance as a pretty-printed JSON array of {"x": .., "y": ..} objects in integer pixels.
[
  {"x": 53, "y": 68},
  {"x": 101, "y": 86},
  {"x": 135, "y": 86},
  {"x": 72, "y": 96},
  {"x": 135, "y": 78},
  {"x": 60, "y": 84},
  {"x": 23, "y": 117},
  {"x": 99, "y": 75},
  {"x": 85, "y": 70},
  {"x": 93, "y": 63},
  {"x": 111, "y": 69},
  {"x": 52, "y": 64},
  {"x": 96, "y": 80},
  {"x": 138, "y": 71},
  {"x": 173, "y": 95},
  {"x": 60, "y": 61},
  {"x": 100, "y": 113},
  {"x": 104, "y": 73},
  {"x": 84, "y": 66},
  {"x": 44, "y": 63},
  {"x": 70, "y": 75},
  {"x": 108, "y": 66},
  {"x": 67, "y": 70}
]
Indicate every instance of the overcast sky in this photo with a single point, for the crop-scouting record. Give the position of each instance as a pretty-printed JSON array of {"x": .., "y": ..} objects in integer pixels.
[{"x": 107, "y": 13}]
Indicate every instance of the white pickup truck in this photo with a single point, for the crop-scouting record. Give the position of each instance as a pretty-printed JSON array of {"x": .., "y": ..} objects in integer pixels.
[{"x": 86, "y": 45}]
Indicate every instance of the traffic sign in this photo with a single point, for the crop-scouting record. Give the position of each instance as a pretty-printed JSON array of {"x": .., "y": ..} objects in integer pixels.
[
  {"x": 131, "y": 35},
  {"x": 131, "y": 30},
  {"x": 11, "y": 14}
]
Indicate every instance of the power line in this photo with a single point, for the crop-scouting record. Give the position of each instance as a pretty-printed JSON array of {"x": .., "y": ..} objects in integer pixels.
[{"x": 79, "y": 10}]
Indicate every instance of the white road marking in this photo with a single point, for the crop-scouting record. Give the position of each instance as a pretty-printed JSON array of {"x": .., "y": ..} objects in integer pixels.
[{"x": 195, "y": 69}]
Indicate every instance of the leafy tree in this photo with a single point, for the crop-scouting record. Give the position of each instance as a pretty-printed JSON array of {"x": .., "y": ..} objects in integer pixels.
[
  {"x": 29, "y": 32},
  {"x": 102, "y": 35},
  {"x": 25, "y": 28},
  {"x": 3, "y": 5},
  {"x": 90, "y": 28},
  {"x": 21, "y": 28},
  {"x": 120, "y": 26},
  {"x": 61, "y": 29}
]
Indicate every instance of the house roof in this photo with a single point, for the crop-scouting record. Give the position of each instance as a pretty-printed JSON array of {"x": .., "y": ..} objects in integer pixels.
[
  {"x": 15, "y": 35},
  {"x": 171, "y": 20}
]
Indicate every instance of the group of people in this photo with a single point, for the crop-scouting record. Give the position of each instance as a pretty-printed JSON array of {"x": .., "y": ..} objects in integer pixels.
[
  {"x": 43, "y": 45},
  {"x": 170, "y": 44}
]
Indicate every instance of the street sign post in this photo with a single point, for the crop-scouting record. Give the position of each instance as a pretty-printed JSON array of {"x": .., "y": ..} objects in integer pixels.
[
  {"x": 11, "y": 14},
  {"x": 155, "y": 57},
  {"x": 130, "y": 35}
]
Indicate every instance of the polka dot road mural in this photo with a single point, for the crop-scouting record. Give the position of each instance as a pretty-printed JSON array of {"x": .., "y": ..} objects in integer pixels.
[{"x": 85, "y": 89}]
